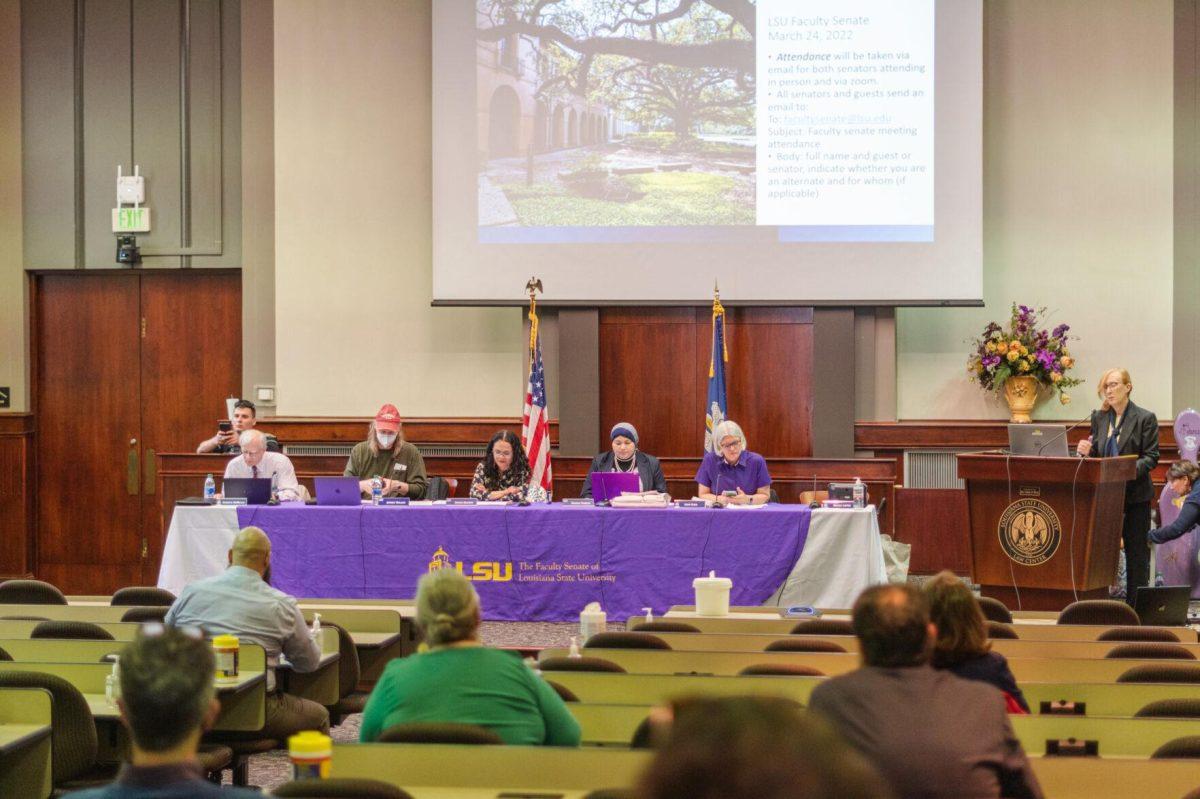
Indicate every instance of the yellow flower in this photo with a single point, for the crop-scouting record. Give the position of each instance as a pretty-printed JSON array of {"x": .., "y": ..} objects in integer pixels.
[
  {"x": 1023, "y": 365},
  {"x": 1024, "y": 350},
  {"x": 1015, "y": 345},
  {"x": 1001, "y": 347},
  {"x": 1055, "y": 377},
  {"x": 1012, "y": 355},
  {"x": 1068, "y": 361},
  {"x": 990, "y": 347},
  {"x": 1065, "y": 399}
]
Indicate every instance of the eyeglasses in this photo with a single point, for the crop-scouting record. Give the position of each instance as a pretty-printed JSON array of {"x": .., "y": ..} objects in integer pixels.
[{"x": 732, "y": 444}]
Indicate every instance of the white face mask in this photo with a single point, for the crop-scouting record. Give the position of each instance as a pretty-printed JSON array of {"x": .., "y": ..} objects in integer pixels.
[{"x": 385, "y": 439}]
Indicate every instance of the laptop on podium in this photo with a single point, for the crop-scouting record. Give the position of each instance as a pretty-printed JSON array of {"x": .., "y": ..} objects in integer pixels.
[{"x": 1044, "y": 440}]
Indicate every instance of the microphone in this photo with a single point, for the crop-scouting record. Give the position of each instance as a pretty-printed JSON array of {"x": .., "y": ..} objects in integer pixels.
[{"x": 1054, "y": 438}]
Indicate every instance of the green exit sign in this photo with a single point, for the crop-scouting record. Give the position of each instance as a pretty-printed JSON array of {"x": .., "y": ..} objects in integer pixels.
[{"x": 131, "y": 220}]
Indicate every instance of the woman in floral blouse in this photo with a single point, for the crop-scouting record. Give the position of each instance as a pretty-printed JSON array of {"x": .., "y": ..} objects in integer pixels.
[{"x": 504, "y": 472}]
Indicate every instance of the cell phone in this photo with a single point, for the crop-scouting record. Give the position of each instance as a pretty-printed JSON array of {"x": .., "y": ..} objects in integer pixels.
[
  {"x": 729, "y": 493},
  {"x": 225, "y": 426}
]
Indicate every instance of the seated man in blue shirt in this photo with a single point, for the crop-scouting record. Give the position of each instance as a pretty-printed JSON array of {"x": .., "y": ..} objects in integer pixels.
[
  {"x": 167, "y": 701},
  {"x": 733, "y": 475},
  {"x": 240, "y": 602}
]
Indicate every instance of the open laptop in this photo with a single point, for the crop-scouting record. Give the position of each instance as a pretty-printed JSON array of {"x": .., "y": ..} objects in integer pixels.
[
  {"x": 1163, "y": 606},
  {"x": 607, "y": 486},
  {"x": 256, "y": 490},
  {"x": 1046, "y": 440},
  {"x": 337, "y": 490}
]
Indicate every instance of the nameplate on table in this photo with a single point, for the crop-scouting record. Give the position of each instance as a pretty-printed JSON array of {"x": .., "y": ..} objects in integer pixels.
[
  {"x": 838, "y": 503},
  {"x": 690, "y": 503},
  {"x": 578, "y": 501},
  {"x": 394, "y": 501},
  {"x": 233, "y": 501},
  {"x": 462, "y": 501}
]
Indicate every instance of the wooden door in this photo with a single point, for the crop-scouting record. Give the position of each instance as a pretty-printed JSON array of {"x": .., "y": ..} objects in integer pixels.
[{"x": 127, "y": 364}]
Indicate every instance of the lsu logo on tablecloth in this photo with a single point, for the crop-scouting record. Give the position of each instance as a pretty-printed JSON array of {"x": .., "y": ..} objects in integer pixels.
[
  {"x": 1029, "y": 532},
  {"x": 481, "y": 571}
]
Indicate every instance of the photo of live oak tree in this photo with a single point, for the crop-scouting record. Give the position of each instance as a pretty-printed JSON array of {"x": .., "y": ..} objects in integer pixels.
[{"x": 615, "y": 112}]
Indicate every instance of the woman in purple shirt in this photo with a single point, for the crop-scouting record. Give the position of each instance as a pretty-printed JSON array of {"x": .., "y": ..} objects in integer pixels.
[{"x": 736, "y": 476}]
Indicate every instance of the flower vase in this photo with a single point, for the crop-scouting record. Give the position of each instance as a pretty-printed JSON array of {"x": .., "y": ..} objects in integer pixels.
[{"x": 1021, "y": 392}]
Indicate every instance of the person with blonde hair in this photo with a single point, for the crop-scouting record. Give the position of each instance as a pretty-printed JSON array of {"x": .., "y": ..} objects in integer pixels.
[
  {"x": 1120, "y": 427},
  {"x": 962, "y": 644},
  {"x": 733, "y": 475},
  {"x": 460, "y": 680}
]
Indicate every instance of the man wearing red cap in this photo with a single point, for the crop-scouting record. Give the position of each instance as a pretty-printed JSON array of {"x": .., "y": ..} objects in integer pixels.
[{"x": 385, "y": 454}]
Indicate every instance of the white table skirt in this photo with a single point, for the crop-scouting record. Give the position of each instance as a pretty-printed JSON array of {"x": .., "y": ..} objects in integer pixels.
[{"x": 842, "y": 555}]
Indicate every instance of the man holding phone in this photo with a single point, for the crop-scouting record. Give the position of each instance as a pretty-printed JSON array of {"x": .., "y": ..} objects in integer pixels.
[{"x": 226, "y": 440}]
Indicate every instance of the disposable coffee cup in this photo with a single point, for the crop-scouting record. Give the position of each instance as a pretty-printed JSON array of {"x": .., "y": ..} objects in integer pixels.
[{"x": 712, "y": 595}]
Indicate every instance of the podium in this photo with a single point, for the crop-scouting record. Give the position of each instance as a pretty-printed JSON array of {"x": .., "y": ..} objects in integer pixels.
[{"x": 1045, "y": 525}]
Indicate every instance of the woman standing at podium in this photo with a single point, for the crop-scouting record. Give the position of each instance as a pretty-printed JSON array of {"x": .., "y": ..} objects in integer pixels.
[{"x": 1121, "y": 428}]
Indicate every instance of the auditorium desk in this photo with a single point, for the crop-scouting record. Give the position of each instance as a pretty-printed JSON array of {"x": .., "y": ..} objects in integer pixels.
[{"x": 25, "y": 769}]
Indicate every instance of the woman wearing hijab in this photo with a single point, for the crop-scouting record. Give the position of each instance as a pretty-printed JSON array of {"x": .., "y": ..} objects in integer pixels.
[{"x": 626, "y": 457}]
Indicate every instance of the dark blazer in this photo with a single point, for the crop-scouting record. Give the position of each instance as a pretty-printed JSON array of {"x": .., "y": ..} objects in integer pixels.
[
  {"x": 649, "y": 470},
  {"x": 1138, "y": 436}
]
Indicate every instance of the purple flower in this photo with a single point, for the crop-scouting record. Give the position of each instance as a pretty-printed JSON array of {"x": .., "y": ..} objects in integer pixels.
[
  {"x": 991, "y": 361},
  {"x": 1060, "y": 332},
  {"x": 1046, "y": 359}
]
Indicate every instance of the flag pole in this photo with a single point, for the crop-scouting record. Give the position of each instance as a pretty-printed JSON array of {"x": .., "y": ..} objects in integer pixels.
[{"x": 718, "y": 310}]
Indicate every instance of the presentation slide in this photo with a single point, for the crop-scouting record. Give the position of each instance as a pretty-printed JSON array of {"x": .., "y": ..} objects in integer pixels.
[{"x": 636, "y": 151}]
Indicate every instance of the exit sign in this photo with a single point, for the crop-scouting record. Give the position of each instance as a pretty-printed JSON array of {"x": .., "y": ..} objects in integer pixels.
[{"x": 131, "y": 220}]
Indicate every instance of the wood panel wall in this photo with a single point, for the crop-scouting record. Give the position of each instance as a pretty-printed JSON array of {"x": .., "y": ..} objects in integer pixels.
[
  {"x": 645, "y": 379},
  {"x": 17, "y": 465}
]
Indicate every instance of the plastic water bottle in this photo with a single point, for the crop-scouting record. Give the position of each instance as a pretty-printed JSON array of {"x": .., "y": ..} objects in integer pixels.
[
  {"x": 376, "y": 490},
  {"x": 573, "y": 652},
  {"x": 275, "y": 487},
  {"x": 860, "y": 493},
  {"x": 210, "y": 489},
  {"x": 315, "y": 633},
  {"x": 112, "y": 684}
]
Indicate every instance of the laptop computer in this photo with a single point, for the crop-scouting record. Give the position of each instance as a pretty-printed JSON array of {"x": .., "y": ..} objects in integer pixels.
[
  {"x": 1045, "y": 440},
  {"x": 1163, "y": 606},
  {"x": 256, "y": 490},
  {"x": 337, "y": 490},
  {"x": 607, "y": 486}
]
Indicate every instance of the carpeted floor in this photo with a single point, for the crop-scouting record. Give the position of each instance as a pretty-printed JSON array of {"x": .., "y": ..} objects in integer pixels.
[{"x": 272, "y": 769}]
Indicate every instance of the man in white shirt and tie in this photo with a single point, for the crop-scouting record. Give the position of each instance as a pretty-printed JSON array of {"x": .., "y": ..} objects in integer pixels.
[{"x": 255, "y": 461}]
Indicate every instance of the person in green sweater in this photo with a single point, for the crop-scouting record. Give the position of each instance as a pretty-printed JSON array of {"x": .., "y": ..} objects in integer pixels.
[
  {"x": 460, "y": 680},
  {"x": 386, "y": 455}
]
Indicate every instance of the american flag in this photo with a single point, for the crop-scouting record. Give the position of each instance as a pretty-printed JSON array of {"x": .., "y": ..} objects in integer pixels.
[{"x": 535, "y": 426}]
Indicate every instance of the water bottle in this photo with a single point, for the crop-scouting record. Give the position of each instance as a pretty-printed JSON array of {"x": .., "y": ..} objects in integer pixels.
[
  {"x": 210, "y": 489},
  {"x": 860, "y": 493},
  {"x": 376, "y": 490},
  {"x": 275, "y": 487},
  {"x": 315, "y": 633},
  {"x": 112, "y": 684}
]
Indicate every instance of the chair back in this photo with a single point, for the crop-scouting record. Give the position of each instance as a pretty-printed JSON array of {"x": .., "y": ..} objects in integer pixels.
[
  {"x": 824, "y": 627},
  {"x": 1187, "y": 747},
  {"x": 781, "y": 670},
  {"x": 144, "y": 595},
  {"x": 580, "y": 664},
  {"x": 30, "y": 592},
  {"x": 564, "y": 693},
  {"x": 626, "y": 640},
  {"x": 349, "y": 669},
  {"x": 804, "y": 644},
  {"x": 660, "y": 626},
  {"x": 1139, "y": 634},
  {"x": 1162, "y": 672},
  {"x": 334, "y": 788},
  {"x": 1170, "y": 709},
  {"x": 995, "y": 610},
  {"x": 997, "y": 629},
  {"x": 1098, "y": 611},
  {"x": 144, "y": 615},
  {"x": 441, "y": 487},
  {"x": 1146, "y": 650},
  {"x": 81, "y": 630},
  {"x": 439, "y": 732},
  {"x": 73, "y": 739}
]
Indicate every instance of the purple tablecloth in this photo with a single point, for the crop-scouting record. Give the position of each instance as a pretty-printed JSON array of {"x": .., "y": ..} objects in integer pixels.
[{"x": 537, "y": 563}]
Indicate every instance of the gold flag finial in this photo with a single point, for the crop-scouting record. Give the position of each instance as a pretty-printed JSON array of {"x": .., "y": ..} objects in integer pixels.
[{"x": 533, "y": 288}]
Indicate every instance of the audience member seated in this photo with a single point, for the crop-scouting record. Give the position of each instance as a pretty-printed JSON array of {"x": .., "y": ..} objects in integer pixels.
[
  {"x": 255, "y": 461},
  {"x": 736, "y": 469},
  {"x": 626, "y": 457},
  {"x": 504, "y": 473},
  {"x": 245, "y": 416},
  {"x": 930, "y": 733},
  {"x": 962, "y": 639},
  {"x": 240, "y": 602},
  {"x": 746, "y": 747},
  {"x": 459, "y": 680},
  {"x": 1184, "y": 479},
  {"x": 386, "y": 455},
  {"x": 167, "y": 701}
]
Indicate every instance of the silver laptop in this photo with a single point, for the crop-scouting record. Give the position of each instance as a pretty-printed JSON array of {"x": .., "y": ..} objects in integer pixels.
[{"x": 1046, "y": 440}]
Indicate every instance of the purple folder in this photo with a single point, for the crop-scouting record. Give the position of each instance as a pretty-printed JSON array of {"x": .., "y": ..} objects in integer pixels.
[{"x": 607, "y": 486}]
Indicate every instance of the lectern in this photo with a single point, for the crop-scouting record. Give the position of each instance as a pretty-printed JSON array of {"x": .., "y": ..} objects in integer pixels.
[{"x": 1048, "y": 528}]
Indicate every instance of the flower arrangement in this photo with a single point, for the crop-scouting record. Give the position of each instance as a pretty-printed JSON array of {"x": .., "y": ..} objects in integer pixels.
[{"x": 1023, "y": 349}]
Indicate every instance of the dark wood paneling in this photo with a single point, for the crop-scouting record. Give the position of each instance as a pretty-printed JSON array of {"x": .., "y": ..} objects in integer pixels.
[
  {"x": 654, "y": 373},
  {"x": 87, "y": 405},
  {"x": 419, "y": 430},
  {"x": 16, "y": 495},
  {"x": 191, "y": 360},
  {"x": 935, "y": 522}
]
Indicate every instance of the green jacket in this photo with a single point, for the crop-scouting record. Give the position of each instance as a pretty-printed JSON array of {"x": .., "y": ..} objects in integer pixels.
[{"x": 402, "y": 462}]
